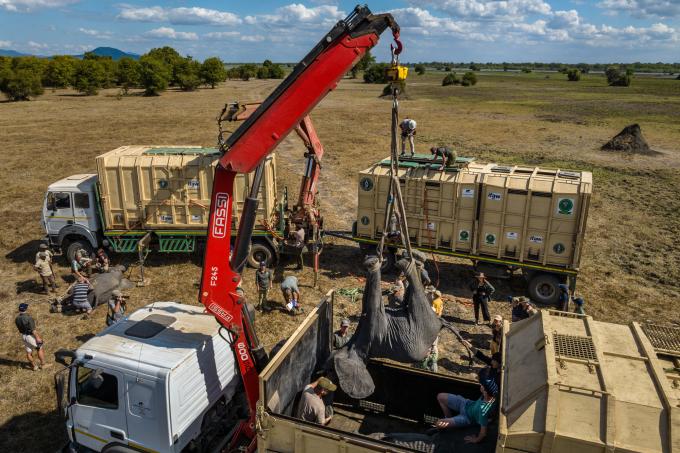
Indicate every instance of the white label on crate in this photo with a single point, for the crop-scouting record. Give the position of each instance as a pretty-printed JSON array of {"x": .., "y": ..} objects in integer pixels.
[
  {"x": 493, "y": 196},
  {"x": 468, "y": 193},
  {"x": 194, "y": 184},
  {"x": 195, "y": 218},
  {"x": 512, "y": 235},
  {"x": 166, "y": 218},
  {"x": 536, "y": 239},
  {"x": 431, "y": 226}
]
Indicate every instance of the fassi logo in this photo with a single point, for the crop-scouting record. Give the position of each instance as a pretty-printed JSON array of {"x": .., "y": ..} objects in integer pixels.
[{"x": 220, "y": 220}]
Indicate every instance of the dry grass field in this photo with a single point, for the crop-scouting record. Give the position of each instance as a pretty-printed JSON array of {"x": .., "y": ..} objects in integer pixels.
[{"x": 630, "y": 269}]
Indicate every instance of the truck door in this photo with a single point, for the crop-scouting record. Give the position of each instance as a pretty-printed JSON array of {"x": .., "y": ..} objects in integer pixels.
[
  {"x": 84, "y": 210},
  {"x": 99, "y": 408},
  {"x": 58, "y": 212},
  {"x": 145, "y": 414}
]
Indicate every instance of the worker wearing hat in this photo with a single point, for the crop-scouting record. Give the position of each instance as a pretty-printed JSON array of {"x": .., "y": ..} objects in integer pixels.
[
  {"x": 43, "y": 248},
  {"x": 311, "y": 406},
  {"x": 44, "y": 268},
  {"x": 341, "y": 336},
  {"x": 264, "y": 281},
  {"x": 482, "y": 291},
  {"x": 496, "y": 334},
  {"x": 437, "y": 302},
  {"x": 469, "y": 412},
  {"x": 116, "y": 307},
  {"x": 30, "y": 336}
]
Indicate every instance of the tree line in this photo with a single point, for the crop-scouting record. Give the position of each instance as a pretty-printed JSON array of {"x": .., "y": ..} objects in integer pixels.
[
  {"x": 22, "y": 78},
  {"x": 584, "y": 68}
]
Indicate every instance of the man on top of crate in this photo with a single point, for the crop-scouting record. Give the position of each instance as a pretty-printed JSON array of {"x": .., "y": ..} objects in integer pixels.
[
  {"x": 447, "y": 154},
  {"x": 408, "y": 131}
]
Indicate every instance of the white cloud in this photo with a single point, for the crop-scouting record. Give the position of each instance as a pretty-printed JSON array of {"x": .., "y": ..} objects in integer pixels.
[
  {"x": 5, "y": 44},
  {"x": 565, "y": 19},
  {"x": 37, "y": 45},
  {"x": 179, "y": 16},
  {"x": 170, "y": 33},
  {"x": 24, "y": 6},
  {"x": 420, "y": 21},
  {"x": 642, "y": 8},
  {"x": 487, "y": 9},
  {"x": 297, "y": 14},
  {"x": 96, "y": 33},
  {"x": 234, "y": 36}
]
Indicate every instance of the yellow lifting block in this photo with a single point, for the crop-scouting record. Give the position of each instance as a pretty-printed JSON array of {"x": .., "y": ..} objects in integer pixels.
[{"x": 396, "y": 73}]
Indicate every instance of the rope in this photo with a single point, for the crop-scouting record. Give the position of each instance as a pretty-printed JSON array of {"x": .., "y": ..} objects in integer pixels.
[{"x": 427, "y": 222}]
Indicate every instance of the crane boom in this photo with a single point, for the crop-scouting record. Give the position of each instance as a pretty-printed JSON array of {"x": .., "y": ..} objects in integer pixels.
[{"x": 310, "y": 81}]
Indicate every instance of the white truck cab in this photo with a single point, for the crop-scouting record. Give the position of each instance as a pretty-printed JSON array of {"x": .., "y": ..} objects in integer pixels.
[
  {"x": 160, "y": 380},
  {"x": 69, "y": 214}
]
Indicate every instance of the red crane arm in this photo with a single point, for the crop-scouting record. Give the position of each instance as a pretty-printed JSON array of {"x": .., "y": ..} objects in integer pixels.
[{"x": 316, "y": 75}]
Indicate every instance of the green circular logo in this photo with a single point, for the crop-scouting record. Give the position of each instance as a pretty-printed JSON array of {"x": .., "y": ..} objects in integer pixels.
[
  {"x": 490, "y": 238},
  {"x": 365, "y": 220},
  {"x": 566, "y": 206},
  {"x": 559, "y": 248},
  {"x": 366, "y": 184},
  {"x": 464, "y": 235}
]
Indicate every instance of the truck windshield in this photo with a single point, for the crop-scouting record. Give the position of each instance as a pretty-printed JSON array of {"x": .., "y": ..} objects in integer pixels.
[{"x": 96, "y": 388}]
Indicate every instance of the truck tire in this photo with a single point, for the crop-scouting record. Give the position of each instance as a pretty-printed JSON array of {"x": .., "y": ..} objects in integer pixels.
[
  {"x": 543, "y": 289},
  {"x": 76, "y": 245},
  {"x": 260, "y": 252}
]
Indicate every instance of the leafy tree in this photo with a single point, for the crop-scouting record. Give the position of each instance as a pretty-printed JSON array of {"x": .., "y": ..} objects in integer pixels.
[
  {"x": 376, "y": 73},
  {"x": 20, "y": 83},
  {"x": 127, "y": 75},
  {"x": 269, "y": 70},
  {"x": 154, "y": 75},
  {"x": 107, "y": 64},
  {"x": 364, "y": 63},
  {"x": 89, "y": 76},
  {"x": 678, "y": 77},
  {"x": 276, "y": 72},
  {"x": 171, "y": 58},
  {"x": 188, "y": 74},
  {"x": 447, "y": 68},
  {"x": 212, "y": 71},
  {"x": 574, "y": 75},
  {"x": 469, "y": 78},
  {"x": 618, "y": 78},
  {"x": 450, "y": 79},
  {"x": 60, "y": 71},
  {"x": 474, "y": 67},
  {"x": 526, "y": 70},
  {"x": 420, "y": 69}
]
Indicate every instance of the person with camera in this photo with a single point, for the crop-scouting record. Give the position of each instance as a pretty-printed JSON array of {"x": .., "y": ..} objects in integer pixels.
[
  {"x": 32, "y": 339},
  {"x": 116, "y": 309}
]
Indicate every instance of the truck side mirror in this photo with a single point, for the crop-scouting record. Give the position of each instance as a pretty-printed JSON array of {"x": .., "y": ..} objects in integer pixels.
[{"x": 65, "y": 357}]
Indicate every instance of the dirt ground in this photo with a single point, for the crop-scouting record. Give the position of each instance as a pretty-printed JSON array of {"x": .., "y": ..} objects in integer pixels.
[{"x": 631, "y": 263}]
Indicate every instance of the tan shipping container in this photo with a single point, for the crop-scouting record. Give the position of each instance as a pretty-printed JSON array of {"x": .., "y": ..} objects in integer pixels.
[
  {"x": 515, "y": 213},
  {"x": 169, "y": 187}
]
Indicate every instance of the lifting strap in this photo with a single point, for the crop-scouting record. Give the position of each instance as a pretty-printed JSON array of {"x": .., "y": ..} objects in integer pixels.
[{"x": 394, "y": 193}]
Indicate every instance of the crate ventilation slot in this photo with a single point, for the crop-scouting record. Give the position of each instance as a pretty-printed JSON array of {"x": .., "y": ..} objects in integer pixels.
[
  {"x": 575, "y": 347},
  {"x": 377, "y": 407},
  {"x": 664, "y": 339},
  {"x": 501, "y": 169}
]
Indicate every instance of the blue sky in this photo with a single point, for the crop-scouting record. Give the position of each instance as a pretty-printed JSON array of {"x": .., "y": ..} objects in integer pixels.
[{"x": 449, "y": 30}]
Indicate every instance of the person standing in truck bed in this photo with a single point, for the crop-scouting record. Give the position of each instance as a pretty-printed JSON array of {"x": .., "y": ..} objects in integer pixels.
[
  {"x": 408, "y": 132},
  {"x": 311, "y": 407},
  {"x": 342, "y": 336}
]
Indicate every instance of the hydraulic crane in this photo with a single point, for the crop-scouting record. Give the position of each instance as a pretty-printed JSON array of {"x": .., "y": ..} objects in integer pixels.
[{"x": 310, "y": 81}]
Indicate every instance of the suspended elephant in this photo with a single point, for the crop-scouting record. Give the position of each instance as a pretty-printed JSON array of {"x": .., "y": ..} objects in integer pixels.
[{"x": 404, "y": 334}]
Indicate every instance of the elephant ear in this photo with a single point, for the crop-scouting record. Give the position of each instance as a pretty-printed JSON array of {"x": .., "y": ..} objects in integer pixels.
[{"x": 353, "y": 376}]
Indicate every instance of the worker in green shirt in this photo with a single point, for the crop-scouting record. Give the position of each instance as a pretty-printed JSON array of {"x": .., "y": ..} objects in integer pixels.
[{"x": 469, "y": 412}]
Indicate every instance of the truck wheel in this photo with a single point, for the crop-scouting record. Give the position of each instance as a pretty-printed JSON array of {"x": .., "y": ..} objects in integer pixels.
[
  {"x": 258, "y": 253},
  {"x": 76, "y": 245},
  {"x": 543, "y": 289}
]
